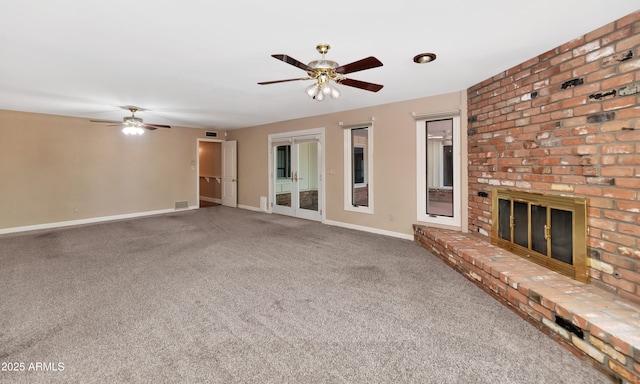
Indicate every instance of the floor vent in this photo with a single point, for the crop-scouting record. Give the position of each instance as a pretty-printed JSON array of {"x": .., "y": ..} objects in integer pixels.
[
  {"x": 566, "y": 324},
  {"x": 182, "y": 204}
]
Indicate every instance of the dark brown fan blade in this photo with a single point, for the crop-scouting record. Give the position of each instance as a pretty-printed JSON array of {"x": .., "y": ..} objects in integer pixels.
[
  {"x": 360, "y": 65},
  {"x": 151, "y": 127},
  {"x": 294, "y": 62},
  {"x": 106, "y": 121},
  {"x": 362, "y": 85},
  {"x": 282, "y": 81}
]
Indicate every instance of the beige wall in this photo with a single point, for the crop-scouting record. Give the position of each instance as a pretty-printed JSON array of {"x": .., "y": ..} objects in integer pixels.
[
  {"x": 394, "y": 160},
  {"x": 55, "y": 169}
]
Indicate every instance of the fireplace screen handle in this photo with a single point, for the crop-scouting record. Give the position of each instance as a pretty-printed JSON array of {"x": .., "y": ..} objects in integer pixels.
[{"x": 547, "y": 232}]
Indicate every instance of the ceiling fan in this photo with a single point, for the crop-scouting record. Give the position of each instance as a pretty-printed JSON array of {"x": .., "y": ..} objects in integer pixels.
[
  {"x": 324, "y": 71},
  {"x": 132, "y": 125}
]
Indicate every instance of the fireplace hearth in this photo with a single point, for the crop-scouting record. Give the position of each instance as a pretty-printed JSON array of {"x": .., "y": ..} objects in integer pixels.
[{"x": 549, "y": 230}]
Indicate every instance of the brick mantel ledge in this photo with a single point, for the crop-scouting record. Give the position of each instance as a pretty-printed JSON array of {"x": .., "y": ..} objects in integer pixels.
[{"x": 610, "y": 325}]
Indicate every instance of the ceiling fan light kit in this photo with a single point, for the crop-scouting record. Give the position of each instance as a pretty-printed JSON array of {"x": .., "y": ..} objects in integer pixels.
[
  {"x": 321, "y": 89},
  {"x": 132, "y": 131},
  {"x": 132, "y": 125},
  {"x": 328, "y": 73}
]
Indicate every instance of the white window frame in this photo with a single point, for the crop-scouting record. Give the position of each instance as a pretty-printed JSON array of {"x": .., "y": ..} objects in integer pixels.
[
  {"x": 421, "y": 169},
  {"x": 348, "y": 167}
]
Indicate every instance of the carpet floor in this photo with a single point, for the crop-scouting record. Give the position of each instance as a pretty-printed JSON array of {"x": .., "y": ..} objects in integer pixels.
[{"x": 223, "y": 295}]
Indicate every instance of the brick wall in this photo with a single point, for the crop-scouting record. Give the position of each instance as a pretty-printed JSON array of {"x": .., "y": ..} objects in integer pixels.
[{"x": 568, "y": 122}]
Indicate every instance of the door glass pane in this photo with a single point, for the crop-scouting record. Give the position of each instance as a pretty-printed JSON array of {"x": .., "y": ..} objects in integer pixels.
[
  {"x": 447, "y": 166},
  {"x": 561, "y": 235},
  {"x": 359, "y": 168},
  {"x": 282, "y": 173},
  {"x": 538, "y": 221},
  {"x": 520, "y": 224},
  {"x": 307, "y": 176},
  {"x": 439, "y": 167},
  {"x": 358, "y": 165}
]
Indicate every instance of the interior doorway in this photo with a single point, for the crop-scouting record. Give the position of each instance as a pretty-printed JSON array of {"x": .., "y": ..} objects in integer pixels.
[
  {"x": 217, "y": 172},
  {"x": 209, "y": 172},
  {"x": 296, "y": 168}
]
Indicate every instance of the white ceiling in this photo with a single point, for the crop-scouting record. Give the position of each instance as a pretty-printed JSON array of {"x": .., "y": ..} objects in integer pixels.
[{"x": 196, "y": 63}]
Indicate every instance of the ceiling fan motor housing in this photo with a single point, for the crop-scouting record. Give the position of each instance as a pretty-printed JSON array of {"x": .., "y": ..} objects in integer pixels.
[
  {"x": 323, "y": 70},
  {"x": 323, "y": 64}
]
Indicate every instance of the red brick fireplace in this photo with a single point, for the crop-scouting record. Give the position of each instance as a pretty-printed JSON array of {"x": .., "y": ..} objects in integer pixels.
[
  {"x": 563, "y": 124},
  {"x": 568, "y": 123}
]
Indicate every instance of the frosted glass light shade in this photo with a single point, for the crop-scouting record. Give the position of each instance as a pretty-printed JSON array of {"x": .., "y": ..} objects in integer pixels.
[
  {"x": 312, "y": 90},
  {"x": 335, "y": 93},
  {"x": 132, "y": 131}
]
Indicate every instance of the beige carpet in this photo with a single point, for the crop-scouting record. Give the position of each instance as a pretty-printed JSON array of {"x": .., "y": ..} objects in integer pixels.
[{"x": 222, "y": 295}]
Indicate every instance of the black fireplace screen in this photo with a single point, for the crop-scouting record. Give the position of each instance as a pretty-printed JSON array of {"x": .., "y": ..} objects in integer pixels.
[
  {"x": 561, "y": 239},
  {"x": 538, "y": 221}
]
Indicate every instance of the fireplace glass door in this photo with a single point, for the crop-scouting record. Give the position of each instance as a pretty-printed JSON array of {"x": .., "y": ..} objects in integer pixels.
[
  {"x": 546, "y": 230},
  {"x": 537, "y": 228}
]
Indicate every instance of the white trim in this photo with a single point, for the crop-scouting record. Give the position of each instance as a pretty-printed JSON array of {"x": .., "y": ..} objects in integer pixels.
[
  {"x": 290, "y": 134},
  {"x": 421, "y": 179},
  {"x": 92, "y": 220},
  {"x": 435, "y": 116},
  {"x": 250, "y": 208},
  {"x": 357, "y": 124},
  {"x": 348, "y": 169},
  {"x": 377, "y": 231}
]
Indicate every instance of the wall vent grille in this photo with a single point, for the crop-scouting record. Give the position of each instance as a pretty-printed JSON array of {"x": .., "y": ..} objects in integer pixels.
[{"x": 181, "y": 204}]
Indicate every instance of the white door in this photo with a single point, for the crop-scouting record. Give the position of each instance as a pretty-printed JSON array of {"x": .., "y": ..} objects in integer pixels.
[
  {"x": 296, "y": 180},
  {"x": 230, "y": 173}
]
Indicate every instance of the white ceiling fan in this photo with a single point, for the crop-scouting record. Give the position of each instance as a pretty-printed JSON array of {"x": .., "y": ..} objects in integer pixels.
[{"x": 132, "y": 125}]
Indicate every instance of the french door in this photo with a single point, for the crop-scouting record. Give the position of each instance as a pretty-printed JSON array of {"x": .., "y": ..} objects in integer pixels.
[{"x": 296, "y": 177}]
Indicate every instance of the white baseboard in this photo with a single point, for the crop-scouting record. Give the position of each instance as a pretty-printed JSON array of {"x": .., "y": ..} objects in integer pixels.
[
  {"x": 369, "y": 229},
  {"x": 250, "y": 208},
  {"x": 91, "y": 220},
  {"x": 211, "y": 199},
  {"x": 94, "y": 220}
]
